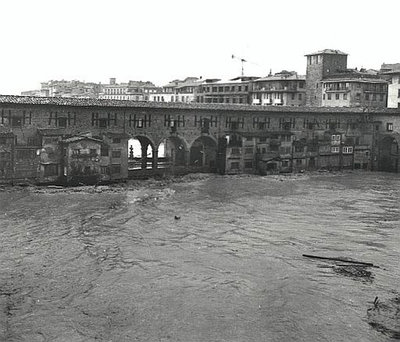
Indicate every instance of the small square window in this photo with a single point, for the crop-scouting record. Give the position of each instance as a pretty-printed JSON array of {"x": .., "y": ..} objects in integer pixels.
[
  {"x": 62, "y": 122},
  {"x": 103, "y": 123},
  {"x": 116, "y": 168},
  {"x": 116, "y": 154}
]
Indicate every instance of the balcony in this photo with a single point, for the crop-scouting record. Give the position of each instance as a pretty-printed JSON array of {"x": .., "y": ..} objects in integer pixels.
[
  {"x": 339, "y": 90},
  {"x": 266, "y": 102},
  {"x": 85, "y": 155}
]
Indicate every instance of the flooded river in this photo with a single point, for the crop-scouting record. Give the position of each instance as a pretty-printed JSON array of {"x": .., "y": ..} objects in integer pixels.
[{"x": 209, "y": 258}]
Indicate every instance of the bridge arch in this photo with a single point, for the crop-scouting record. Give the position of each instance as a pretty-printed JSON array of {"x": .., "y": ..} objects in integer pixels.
[
  {"x": 203, "y": 153},
  {"x": 388, "y": 155},
  {"x": 141, "y": 152},
  {"x": 174, "y": 150}
]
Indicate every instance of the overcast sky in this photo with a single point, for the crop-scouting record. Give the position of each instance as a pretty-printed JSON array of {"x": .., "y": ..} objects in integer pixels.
[{"x": 161, "y": 40}]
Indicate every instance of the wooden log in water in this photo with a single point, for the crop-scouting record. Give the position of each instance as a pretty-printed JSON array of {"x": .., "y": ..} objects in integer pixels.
[{"x": 338, "y": 259}]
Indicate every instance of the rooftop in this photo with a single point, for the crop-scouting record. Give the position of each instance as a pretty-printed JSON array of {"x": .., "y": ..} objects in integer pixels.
[
  {"x": 126, "y": 104},
  {"x": 283, "y": 75},
  {"x": 328, "y": 52},
  {"x": 390, "y": 67}
]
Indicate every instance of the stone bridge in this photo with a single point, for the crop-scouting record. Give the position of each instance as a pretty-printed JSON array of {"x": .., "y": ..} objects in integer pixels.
[{"x": 43, "y": 139}]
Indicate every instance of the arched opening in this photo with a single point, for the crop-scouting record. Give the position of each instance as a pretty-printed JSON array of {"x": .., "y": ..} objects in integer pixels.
[
  {"x": 203, "y": 154},
  {"x": 140, "y": 153},
  {"x": 172, "y": 151},
  {"x": 389, "y": 155}
]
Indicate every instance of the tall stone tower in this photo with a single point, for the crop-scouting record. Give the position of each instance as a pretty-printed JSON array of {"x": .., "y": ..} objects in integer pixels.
[{"x": 319, "y": 66}]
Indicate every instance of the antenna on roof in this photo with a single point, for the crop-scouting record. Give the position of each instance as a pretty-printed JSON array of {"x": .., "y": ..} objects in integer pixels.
[{"x": 242, "y": 60}]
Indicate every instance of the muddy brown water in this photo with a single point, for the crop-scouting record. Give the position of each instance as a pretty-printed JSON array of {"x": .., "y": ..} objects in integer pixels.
[{"x": 114, "y": 264}]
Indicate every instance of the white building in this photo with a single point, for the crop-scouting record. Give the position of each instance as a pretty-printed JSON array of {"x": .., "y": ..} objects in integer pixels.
[{"x": 132, "y": 91}]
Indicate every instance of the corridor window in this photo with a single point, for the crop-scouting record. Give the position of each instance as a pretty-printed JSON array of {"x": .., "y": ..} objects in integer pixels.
[
  {"x": 389, "y": 127},
  {"x": 347, "y": 149},
  {"x": 335, "y": 149}
]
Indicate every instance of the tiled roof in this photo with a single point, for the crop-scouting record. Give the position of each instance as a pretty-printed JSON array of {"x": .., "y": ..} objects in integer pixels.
[
  {"x": 327, "y": 52},
  {"x": 354, "y": 79},
  {"x": 81, "y": 102},
  {"x": 390, "y": 67},
  {"x": 282, "y": 77}
]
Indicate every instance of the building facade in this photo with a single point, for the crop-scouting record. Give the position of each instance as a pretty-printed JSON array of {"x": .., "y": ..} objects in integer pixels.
[
  {"x": 330, "y": 83},
  {"x": 131, "y": 91},
  {"x": 321, "y": 65},
  {"x": 354, "y": 89},
  {"x": 285, "y": 88},
  {"x": 391, "y": 72},
  {"x": 179, "y": 91},
  {"x": 234, "y": 91}
]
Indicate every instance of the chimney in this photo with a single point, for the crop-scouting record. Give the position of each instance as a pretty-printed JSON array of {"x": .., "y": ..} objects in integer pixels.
[{"x": 112, "y": 81}]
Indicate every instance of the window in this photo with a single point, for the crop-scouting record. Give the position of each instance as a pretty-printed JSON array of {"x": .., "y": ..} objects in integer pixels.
[
  {"x": 367, "y": 97},
  {"x": 298, "y": 148},
  {"x": 300, "y": 96},
  {"x": 347, "y": 149},
  {"x": 239, "y": 88},
  {"x": 337, "y": 96},
  {"x": 235, "y": 150},
  {"x": 335, "y": 149},
  {"x": 329, "y": 96},
  {"x": 389, "y": 127},
  {"x": 5, "y": 155},
  {"x": 235, "y": 165},
  {"x": 248, "y": 150},
  {"x": 16, "y": 122},
  {"x": 299, "y": 162},
  {"x": 93, "y": 151},
  {"x": 104, "y": 170},
  {"x": 104, "y": 151},
  {"x": 248, "y": 165},
  {"x": 102, "y": 123},
  {"x": 50, "y": 170},
  {"x": 25, "y": 154},
  {"x": 116, "y": 154},
  {"x": 76, "y": 152},
  {"x": 62, "y": 122},
  {"x": 116, "y": 140},
  {"x": 398, "y": 93},
  {"x": 344, "y": 96},
  {"x": 116, "y": 168}
]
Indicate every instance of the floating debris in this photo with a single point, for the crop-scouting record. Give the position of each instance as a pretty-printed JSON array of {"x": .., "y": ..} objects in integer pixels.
[
  {"x": 358, "y": 272},
  {"x": 384, "y": 316}
]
